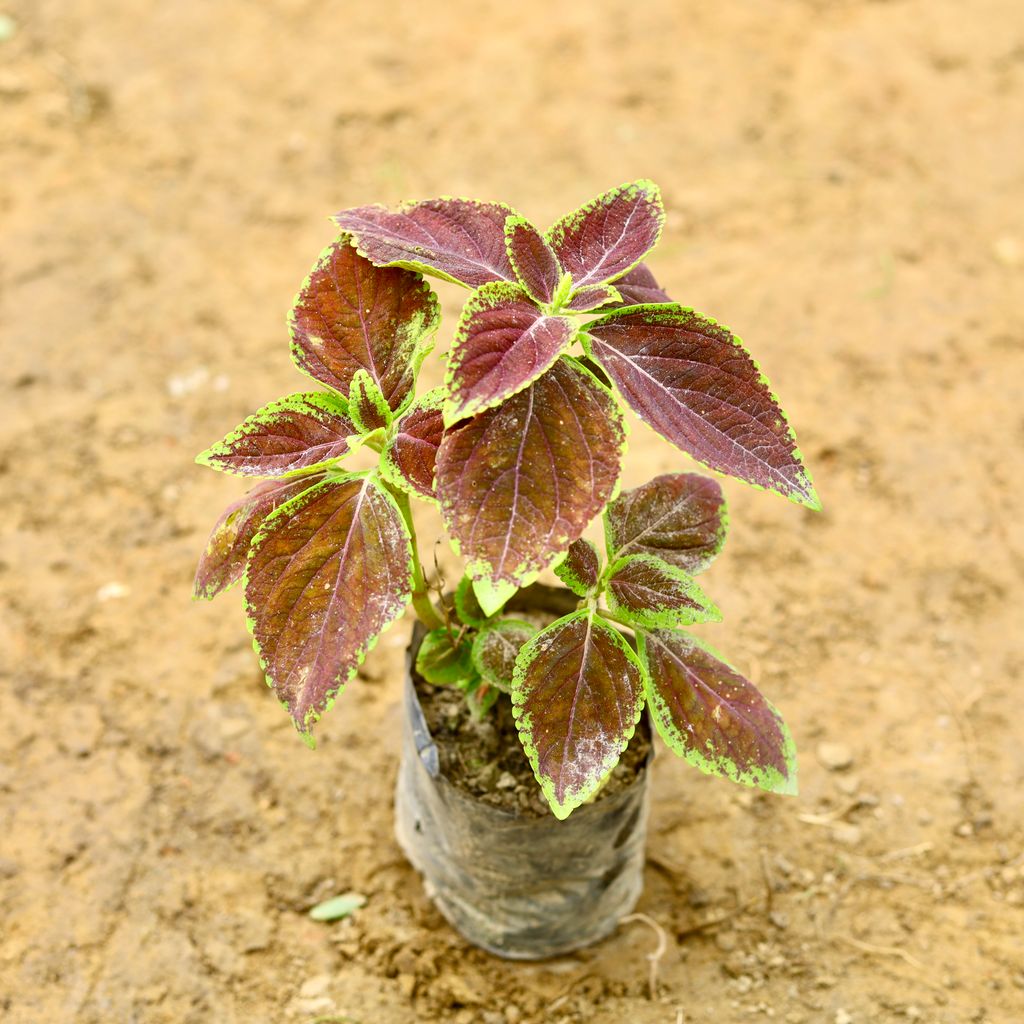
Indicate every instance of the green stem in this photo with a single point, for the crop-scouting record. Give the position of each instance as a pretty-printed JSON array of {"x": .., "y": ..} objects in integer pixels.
[{"x": 421, "y": 602}]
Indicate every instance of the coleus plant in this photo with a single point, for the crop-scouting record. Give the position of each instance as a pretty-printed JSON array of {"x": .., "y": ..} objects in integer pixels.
[{"x": 519, "y": 449}]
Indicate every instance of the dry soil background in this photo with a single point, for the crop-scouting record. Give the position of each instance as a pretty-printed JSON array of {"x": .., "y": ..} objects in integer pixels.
[{"x": 845, "y": 186}]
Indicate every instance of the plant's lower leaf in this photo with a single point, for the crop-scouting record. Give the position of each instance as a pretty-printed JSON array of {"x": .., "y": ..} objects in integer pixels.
[
  {"x": 518, "y": 484},
  {"x": 482, "y": 699},
  {"x": 444, "y": 659},
  {"x": 460, "y": 240},
  {"x": 491, "y": 595},
  {"x": 611, "y": 234},
  {"x": 577, "y": 694},
  {"x": 351, "y": 315},
  {"x": 639, "y": 287},
  {"x": 290, "y": 434},
  {"x": 495, "y": 648},
  {"x": 679, "y": 517},
  {"x": 467, "y": 607},
  {"x": 366, "y": 405},
  {"x": 649, "y": 592},
  {"x": 532, "y": 259},
  {"x": 710, "y": 715},
  {"x": 692, "y": 380},
  {"x": 409, "y": 459},
  {"x": 503, "y": 342},
  {"x": 581, "y": 567},
  {"x": 592, "y": 296},
  {"x": 327, "y": 573},
  {"x": 223, "y": 562}
]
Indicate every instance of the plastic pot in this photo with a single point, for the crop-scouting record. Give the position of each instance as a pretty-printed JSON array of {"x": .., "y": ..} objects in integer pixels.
[{"x": 519, "y": 886}]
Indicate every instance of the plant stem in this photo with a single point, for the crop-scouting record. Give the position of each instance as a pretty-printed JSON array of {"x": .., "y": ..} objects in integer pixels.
[{"x": 421, "y": 602}]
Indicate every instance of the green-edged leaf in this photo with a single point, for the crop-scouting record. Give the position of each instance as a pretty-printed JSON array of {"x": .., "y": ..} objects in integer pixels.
[
  {"x": 503, "y": 342},
  {"x": 467, "y": 607},
  {"x": 710, "y": 715},
  {"x": 577, "y": 694},
  {"x": 649, "y": 592},
  {"x": 366, "y": 405},
  {"x": 518, "y": 484},
  {"x": 290, "y": 434},
  {"x": 495, "y": 648},
  {"x": 532, "y": 259},
  {"x": 327, "y": 573},
  {"x": 443, "y": 661},
  {"x": 581, "y": 567},
  {"x": 592, "y": 296},
  {"x": 460, "y": 240},
  {"x": 693, "y": 382},
  {"x": 680, "y": 517},
  {"x": 408, "y": 460},
  {"x": 223, "y": 562},
  {"x": 351, "y": 315},
  {"x": 491, "y": 595},
  {"x": 611, "y": 234}
]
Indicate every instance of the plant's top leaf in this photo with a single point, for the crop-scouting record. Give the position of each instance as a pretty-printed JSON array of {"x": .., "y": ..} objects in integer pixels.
[
  {"x": 223, "y": 562},
  {"x": 503, "y": 342},
  {"x": 351, "y": 315},
  {"x": 495, "y": 649},
  {"x": 611, "y": 234},
  {"x": 366, "y": 405},
  {"x": 680, "y": 517},
  {"x": 290, "y": 434},
  {"x": 532, "y": 259},
  {"x": 518, "y": 484},
  {"x": 639, "y": 287},
  {"x": 338, "y": 907},
  {"x": 710, "y": 715},
  {"x": 581, "y": 567},
  {"x": 491, "y": 595},
  {"x": 692, "y": 380},
  {"x": 649, "y": 592},
  {"x": 577, "y": 694},
  {"x": 408, "y": 461},
  {"x": 593, "y": 296},
  {"x": 443, "y": 659},
  {"x": 467, "y": 607},
  {"x": 327, "y": 573},
  {"x": 460, "y": 240}
]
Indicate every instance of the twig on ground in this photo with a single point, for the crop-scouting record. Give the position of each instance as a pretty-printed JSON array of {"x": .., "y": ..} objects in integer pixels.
[
  {"x": 867, "y": 947},
  {"x": 652, "y": 958}
]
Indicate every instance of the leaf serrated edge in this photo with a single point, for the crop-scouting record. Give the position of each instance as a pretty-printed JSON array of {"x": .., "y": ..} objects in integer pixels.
[
  {"x": 516, "y": 221},
  {"x": 312, "y": 717},
  {"x": 525, "y": 658},
  {"x": 810, "y": 499},
  {"x": 666, "y": 617},
  {"x": 767, "y": 778}
]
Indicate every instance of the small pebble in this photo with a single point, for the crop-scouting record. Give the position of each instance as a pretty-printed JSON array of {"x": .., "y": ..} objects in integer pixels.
[
  {"x": 315, "y": 986},
  {"x": 506, "y": 781},
  {"x": 842, "y": 1017},
  {"x": 836, "y": 757}
]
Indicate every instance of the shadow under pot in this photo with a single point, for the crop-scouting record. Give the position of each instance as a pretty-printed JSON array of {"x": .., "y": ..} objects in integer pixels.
[{"x": 513, "y": 879}]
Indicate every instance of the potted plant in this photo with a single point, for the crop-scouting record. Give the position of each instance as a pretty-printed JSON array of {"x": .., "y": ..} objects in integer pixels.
[{"x": 519, "y": 450}]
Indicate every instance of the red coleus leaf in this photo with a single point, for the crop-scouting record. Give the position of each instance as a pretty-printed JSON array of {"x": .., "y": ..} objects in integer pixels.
[
  {"x": 577, "y": 694},
  {"x": 609, "y": 235},
  {"x": 495, "y": 649},
  {"x": 327, "y": 573},
  {"x": 518, "y": 483},
  {"x": 639, "y": 287},
  {"x": 648, "y": 592},
  {"x": 592, "y": 296},
  {"x": 223, "y": 561},
  {"x": 503, "y": 342},
  {"x": 581, "y": 567},
  {"x": 290, "y": 434},
  {"x": 679, "y": 517},
  {"x": 367, "y": 405},
  {"x": 351, "y": 315},
  {"x": 409, "y": 459},
  {"x": 692, "y": 380},
  {"x": 460, "y": 240},
  {"x": 532, "y": 259},
  {"x": 710, "y": 715}
]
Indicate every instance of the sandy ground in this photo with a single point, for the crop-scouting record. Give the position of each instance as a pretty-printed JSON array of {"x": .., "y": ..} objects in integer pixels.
[{"x": 845, "y": 186}]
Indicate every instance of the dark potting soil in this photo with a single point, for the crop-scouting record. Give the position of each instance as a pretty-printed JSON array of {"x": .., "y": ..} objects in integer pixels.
[{"x": 486, "y": 759}]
